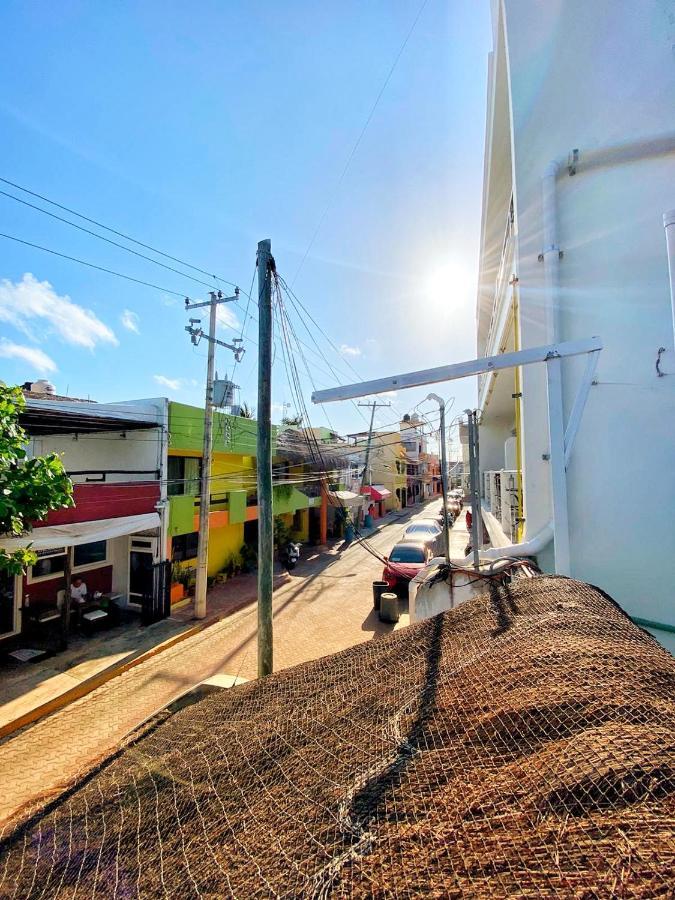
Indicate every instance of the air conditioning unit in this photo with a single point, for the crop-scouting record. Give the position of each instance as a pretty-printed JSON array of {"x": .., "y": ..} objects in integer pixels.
[
  {"x": 509, "y": 502},
  {"x": 496, "y": 507}
]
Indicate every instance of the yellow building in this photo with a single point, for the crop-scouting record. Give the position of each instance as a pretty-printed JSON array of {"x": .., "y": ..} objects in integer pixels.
[
  {"x": 233, "y": 480},
  {"x": 386, "y": 465}
]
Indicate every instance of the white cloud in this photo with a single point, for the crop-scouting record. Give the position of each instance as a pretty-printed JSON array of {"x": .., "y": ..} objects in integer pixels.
[
  {"x": 346, "y": 350},
  {"x": 174, "y": 384},
  {"x": 227, "y": 316},
  {"x": 130, "y": 321},
  {"x": 30, "y": 299},
  {"x": 32, "y": 355}
]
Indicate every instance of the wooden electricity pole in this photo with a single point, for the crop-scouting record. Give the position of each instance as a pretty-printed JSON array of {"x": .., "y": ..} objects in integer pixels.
[
  {"x": 264, "y": 460},
  {"x": 374, "y": 404}
]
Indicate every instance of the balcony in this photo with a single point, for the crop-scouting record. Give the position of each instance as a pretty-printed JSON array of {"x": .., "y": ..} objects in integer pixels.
[{"x": 501, "y": 304}]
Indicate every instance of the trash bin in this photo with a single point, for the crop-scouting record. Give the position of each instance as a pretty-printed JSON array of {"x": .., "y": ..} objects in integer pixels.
[
  {"x": 349, "y": 533},
  {"x": 389, "y": 607},
  {"x": 379, "y": 588}
]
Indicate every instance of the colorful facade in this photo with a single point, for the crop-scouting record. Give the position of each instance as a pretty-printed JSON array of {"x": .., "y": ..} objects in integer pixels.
[{"x": 233, "y": 511}]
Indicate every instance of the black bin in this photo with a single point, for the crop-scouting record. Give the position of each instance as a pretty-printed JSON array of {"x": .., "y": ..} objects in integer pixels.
[{"x": 379, "y": 588}]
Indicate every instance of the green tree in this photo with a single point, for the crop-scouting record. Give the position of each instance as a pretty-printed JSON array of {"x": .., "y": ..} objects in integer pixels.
[
  {"x": 29, "y": 488},
  {"x": 245, "y": 411},
  {"x": 292, "y": 421}
]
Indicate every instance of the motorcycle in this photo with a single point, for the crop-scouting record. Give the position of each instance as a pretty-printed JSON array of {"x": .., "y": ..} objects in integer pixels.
[{"x": 290, "y": 555}]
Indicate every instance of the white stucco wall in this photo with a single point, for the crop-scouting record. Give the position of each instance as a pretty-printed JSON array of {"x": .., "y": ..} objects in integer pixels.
[
  {"x": 140, "y": 450},
  {"x": 136, "y": 451},
  {"x": 593, "y": 76}
]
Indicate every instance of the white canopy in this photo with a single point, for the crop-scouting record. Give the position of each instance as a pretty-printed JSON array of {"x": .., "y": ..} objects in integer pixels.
[
  {"x": 80, "y": 532},
  {"x": 347, "y": 498}
]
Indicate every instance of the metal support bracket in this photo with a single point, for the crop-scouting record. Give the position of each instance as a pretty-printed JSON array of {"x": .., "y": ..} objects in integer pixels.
[{"x": 561, "y": 438}]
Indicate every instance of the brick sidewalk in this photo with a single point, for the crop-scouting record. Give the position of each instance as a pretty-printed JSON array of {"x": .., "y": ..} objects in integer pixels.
[{"x": 323, "y": 609}]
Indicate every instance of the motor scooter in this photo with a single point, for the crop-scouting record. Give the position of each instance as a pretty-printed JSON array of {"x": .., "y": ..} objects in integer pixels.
[{"x": 290, "y": 555}]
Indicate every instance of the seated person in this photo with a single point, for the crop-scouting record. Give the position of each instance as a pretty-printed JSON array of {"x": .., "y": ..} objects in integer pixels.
[{"x": 78, "y": 591}]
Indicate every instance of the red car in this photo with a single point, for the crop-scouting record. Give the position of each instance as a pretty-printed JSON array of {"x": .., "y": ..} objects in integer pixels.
[{"x": 403, "y": 563}]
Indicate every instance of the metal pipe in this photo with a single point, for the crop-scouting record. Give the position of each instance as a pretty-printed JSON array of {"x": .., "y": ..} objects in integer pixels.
[
  {"x": 457, "y": 370},
  {"x": 475, "y": 501},
  {"x": 550, "y": 253},
  {"x": 478, "y": 515},
  {"x": 444, "y": 476},
  {"x": 669, "y": 225}
]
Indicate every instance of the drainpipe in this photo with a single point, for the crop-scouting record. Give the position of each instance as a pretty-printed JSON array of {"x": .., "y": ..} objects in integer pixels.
[
  {"x": 530, "y": 547},
  {"x": 669, "y": 225},
  {"x": 658, "y": 145},
  {"x": 550, "y": 255}
]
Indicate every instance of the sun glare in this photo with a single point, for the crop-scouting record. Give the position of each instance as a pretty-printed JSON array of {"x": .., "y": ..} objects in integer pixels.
[{"x": 450, "y": 285}]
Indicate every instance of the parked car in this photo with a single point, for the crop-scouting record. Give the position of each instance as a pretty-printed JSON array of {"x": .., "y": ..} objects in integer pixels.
[
  {"x": 403, "y": 563},
  {"x": 454, "y": 505},
  {"x": 426, "y": 532}
]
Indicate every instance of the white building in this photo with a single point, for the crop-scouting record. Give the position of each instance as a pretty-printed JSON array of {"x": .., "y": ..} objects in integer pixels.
[
  {"x": 579, "y": 171},
  {"x": 114, "y": 537}
]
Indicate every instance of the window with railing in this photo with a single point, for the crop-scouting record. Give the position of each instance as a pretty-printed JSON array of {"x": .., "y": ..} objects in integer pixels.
[{"x": 184, "y": 475}]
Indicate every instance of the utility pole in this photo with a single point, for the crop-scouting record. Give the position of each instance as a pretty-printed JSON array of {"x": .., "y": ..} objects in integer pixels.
[
  {"x": 196, "y": 334},
  {"x": 266, "y": 268},
  {"x": 374, "y": 406},
  {"x": 474, "y": 475},
  {"x": 444, "y": 476}
]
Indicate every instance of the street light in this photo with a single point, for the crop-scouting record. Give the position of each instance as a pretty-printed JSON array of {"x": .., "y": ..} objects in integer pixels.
[{"x": 444, "y": 476}]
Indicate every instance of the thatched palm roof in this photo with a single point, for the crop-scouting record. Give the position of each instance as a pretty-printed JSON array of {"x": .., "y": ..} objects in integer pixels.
[{"x": 522, "y": 744}]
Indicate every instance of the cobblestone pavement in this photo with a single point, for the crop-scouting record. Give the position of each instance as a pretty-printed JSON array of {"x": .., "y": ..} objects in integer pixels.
[{"x": 326, "y": 607}]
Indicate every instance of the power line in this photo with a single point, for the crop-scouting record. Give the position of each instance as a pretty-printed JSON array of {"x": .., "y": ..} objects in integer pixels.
[
  {"x": 108, "y": 240},
  {"x": 121, "y": 234},
  {"x": 90, "y": 265},
  {"x": 351, "y": 156}
]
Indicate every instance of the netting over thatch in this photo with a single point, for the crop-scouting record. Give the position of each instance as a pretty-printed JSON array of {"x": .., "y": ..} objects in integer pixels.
[{"x": 522, "y": 744}]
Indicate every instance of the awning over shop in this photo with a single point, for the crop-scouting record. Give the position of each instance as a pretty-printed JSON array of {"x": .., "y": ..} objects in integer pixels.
[
  {"x": 377, "y": 492},
  {"x": 80, "y": 532},
  {"x": 345, "y": 498}
]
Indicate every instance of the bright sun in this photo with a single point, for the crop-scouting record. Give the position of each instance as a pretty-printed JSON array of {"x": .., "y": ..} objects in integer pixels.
[{"x": 450, "y": 286}]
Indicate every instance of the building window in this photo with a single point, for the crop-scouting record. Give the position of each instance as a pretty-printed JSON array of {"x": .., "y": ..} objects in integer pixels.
[
  {"x": 90, "y": 554},
  {"x": 184, "y": 546},
  {"x": 184, "y": 474},
  {"x": 50, "y": 563}
]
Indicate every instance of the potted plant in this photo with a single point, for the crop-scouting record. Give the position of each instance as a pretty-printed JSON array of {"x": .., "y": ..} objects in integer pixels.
[{"x": 177, "y": 585}]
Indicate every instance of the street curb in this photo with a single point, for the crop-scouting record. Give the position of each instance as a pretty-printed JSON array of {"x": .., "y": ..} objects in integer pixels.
[{"x": 105, "y": 675}]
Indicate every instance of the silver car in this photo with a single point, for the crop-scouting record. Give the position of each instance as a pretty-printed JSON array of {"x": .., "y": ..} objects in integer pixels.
[{"x": 425, "y": 532}]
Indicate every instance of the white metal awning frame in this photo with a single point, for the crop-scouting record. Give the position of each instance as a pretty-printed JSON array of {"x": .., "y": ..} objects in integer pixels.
[{"x": 561, "y": 437}]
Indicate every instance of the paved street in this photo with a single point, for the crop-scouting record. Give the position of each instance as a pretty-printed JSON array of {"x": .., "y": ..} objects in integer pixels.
[{"x": 325, "y": 607}]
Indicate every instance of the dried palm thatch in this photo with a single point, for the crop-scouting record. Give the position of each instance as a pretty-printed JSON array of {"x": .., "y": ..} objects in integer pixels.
[{"x": 521, "y": 745}]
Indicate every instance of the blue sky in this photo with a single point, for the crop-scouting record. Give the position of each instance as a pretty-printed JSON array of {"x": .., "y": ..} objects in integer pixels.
[{"x": 200, "y": 129}]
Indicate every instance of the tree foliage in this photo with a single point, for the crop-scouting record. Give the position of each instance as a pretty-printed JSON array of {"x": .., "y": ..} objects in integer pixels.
[
  {"x": 292, "y": 421},
  {"x": 29, "y": 488},
  {"x": 246, "y": 411}
]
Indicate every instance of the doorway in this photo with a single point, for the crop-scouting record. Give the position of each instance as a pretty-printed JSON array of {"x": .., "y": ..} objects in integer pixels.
[{"x": 142, "y": 556}]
